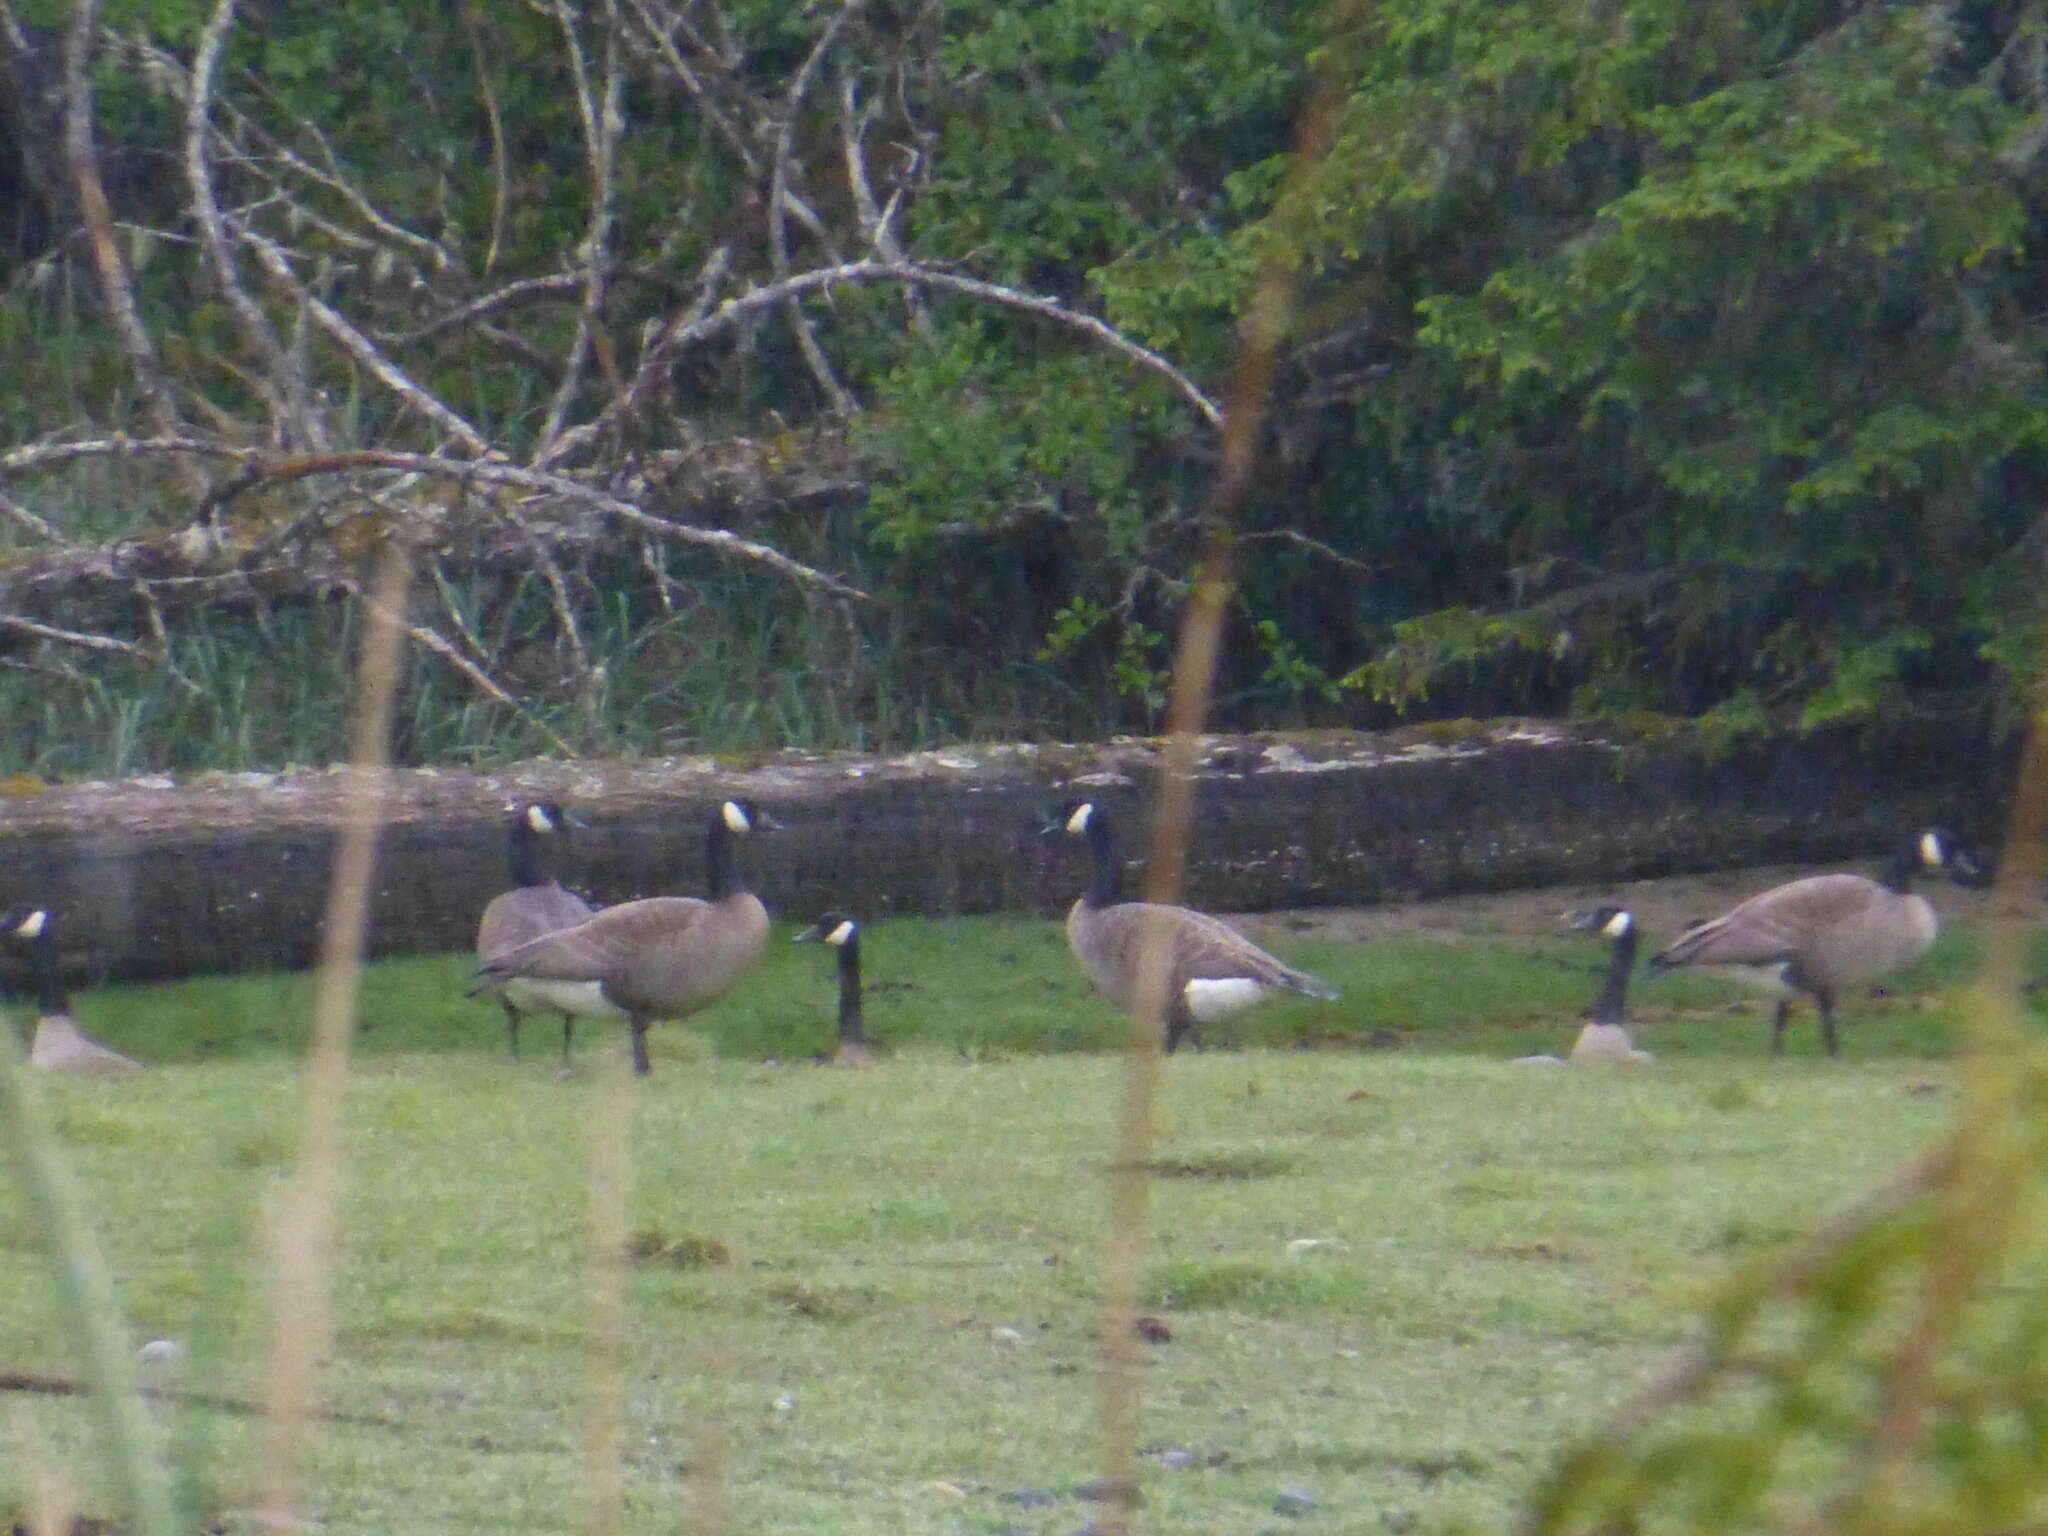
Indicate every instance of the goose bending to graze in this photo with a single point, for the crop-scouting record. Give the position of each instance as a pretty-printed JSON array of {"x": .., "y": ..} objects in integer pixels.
[
  {"x": 60, "y": 1045},
  {"x": 535, "y": 905},
  {"x": 1213, "y": 971},
  {"x": 664, "y": 957},
  {"x": 843, "y": 934},
  {"x": 1826, "y": 932}
]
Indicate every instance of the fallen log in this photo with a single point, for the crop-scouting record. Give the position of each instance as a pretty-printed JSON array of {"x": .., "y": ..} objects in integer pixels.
[{"x": 229, "y": 872}]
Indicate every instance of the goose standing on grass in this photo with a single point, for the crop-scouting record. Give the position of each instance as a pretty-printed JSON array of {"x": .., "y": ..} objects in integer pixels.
[
  {"x": 843, "y": 934},
  {"x": 60, "y": 1045},
  {"x": 1813, "y": 937},
  {"x": 535, "y": 905},
  {"x": 1213, "y": 971},
  {"x": 666, "y": 956}
]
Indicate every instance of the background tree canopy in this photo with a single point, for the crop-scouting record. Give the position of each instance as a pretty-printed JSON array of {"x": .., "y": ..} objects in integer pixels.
[{"x": 1656, "y": 355}]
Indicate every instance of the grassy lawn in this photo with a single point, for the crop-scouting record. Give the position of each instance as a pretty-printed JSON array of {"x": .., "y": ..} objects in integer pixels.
[{"x": 865, "y": 1302}]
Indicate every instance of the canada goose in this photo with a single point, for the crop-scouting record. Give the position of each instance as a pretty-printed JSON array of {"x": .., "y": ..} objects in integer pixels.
[
  {"x": 1818, "y": 935},
  {"x": 535, "y": 905},
  {"x": 1214, "y": 972},
  {"x": 843, "y": 934},
  {"x": 666, "y": 956},
  {"x": 60, "y": 1045},
  {"x": 1605, "y": 1036}
]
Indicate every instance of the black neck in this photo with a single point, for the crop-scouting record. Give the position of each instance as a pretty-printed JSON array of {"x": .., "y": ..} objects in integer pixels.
[
  {"x": 529, "y": 863},
  {"x": 1902, "y": 866},
  {"x": 851, "y": 1025},
  {"x": 1607, "y": 1007},
  {"x": 50, "y": 1000},
  {"x": 1106, "y": 879},
  {"x": 722, "y": 869}
]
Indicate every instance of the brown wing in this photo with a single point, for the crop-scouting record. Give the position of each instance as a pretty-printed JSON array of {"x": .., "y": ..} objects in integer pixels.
[
  {"x": 527, "y": 912},
  {"x": 598, "y": 946},
  {"x": 1204, "y": 948},
  {"x": 1780, "y": 922}
]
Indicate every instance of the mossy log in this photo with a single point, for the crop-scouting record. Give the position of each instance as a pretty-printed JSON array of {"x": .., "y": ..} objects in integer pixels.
[{"x": 230, "y": 872}]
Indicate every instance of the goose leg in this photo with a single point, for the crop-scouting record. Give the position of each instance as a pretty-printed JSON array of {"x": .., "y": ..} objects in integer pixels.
[
  {"x": 511, "y": 1025},
  {"x": 568, "y": 1029},
  {"x": 1180, "y": 1025},
  {"x": 1826, "y": 1004},
  {"x": 641, "y": 1065},
  {"x": 1778, "y": 1027}
]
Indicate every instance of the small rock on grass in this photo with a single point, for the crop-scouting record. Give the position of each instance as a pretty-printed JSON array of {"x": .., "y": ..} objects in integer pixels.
[
  {"x": 1176, "y": 1459},
  {"x": 1293, "y": 1500},
  {"x": 1029, "y": 1498}
]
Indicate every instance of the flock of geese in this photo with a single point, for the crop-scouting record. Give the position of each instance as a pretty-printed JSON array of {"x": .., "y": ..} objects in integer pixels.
[{"x": 541, "y": 948}]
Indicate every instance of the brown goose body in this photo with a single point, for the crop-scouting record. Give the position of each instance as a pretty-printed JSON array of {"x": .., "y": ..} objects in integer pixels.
[
  {"x": 1213, "y": 971},
  {"x": 59, "y": 1044},
  {"x": 537, "y": 904},
  {"x": 1816, "y": 936},
  {"x": 663, "y": 957}
]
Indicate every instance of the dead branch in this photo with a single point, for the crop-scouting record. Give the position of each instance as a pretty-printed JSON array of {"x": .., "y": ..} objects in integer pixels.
[
  {"x": 874, "y": 221},
  {"x": 75, "y": 637},
  {"x": 501, "y": 173},
  {"x": 601, "y": 125},
  {"x": 778, "y": 231},
  {"x": 434, "y": 641},
  {"x": 115, "y": 290},
  {"x": 720, "y": 120},
  {"x": 654, "y": 360},
  {"x": 362, "y": 349},
  {"x": 255, "y": 326}
]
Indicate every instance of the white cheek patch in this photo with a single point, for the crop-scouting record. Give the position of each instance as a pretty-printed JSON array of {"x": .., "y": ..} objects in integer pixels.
[
  {"x": 735, "y": 818},
  {"x": 1931, "y": 852},
  {"x": 1618, "y": 924},
  {"x": 1083, "y": 814},
  {"x": 841, "y": 935},
  {"x": 538, "y": 819},
  {"x": 1213, "y": 1001},
  {"x": 32, "y": 925}
]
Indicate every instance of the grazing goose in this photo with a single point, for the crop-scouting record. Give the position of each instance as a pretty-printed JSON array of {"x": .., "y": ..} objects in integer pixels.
[
  {"x": 535, "y": 905},
  {"x": 843, "y": 934},
  {"x": 1214, "y": 972},
  {"x": 60, "y": 1045},
  {"x": 1605, "y": 1037},
  {"x": 664, "y": 957},
  {"x": 1826, "y": 932}
]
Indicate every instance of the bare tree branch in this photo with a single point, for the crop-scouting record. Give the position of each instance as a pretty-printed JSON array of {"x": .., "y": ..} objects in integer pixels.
[
  {"x": 359, "y": 346},
  {"x": 654, "y": 359},
  {"x": 686, "y": 329},
  {"x": 778, "y": 233},
  {"x": 433, "y": 640},
  {"x": 501, "y": 174},
  {"x": 279, "y": 471},
  {"x": 600, "y": 124},
  {"x": 874, "y": 221},
  {"x": 74, "y": 637},
  {"x": 115, "y": 289},
  {"x": 295, "y": 421},
  {"x": 721, "y": 123}
]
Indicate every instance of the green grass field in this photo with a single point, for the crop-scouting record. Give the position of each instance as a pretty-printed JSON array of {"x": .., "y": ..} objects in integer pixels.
[{"x": 1399, "y": 1272}]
